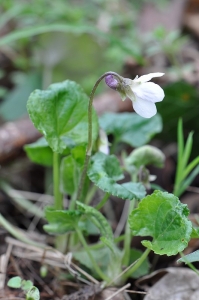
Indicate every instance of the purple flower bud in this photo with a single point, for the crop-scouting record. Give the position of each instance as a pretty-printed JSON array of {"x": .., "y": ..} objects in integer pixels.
[{"x": 111, "y": 82}]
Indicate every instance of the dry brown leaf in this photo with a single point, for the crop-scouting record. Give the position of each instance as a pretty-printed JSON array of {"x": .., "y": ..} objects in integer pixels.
[{"x": 176, "y": 284}]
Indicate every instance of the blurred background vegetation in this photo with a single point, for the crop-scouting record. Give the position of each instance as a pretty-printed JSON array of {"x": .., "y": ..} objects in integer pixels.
[{"x": 45, "y": 41}]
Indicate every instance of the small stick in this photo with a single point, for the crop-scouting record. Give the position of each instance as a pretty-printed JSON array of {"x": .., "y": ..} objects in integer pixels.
[
  {"x": 136, "y": 292},
  {"x": 119, "y": 291},
  {"x": 122, "y": 273}
]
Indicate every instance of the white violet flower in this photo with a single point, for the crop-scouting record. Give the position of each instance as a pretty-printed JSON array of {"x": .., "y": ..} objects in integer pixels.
[{"x": 143, "y": 94}]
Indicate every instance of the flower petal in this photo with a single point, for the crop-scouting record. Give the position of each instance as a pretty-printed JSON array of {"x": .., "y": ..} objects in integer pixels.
[
  {"x": 144, "y": 108},
  {"x": 148, "y": 77},
  {"x": 149, "y": 91},
  {"x": 129, "y": 91}
]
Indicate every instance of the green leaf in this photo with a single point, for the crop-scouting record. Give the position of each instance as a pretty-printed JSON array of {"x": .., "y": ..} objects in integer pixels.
[
  {"x": 40, "y": 152},
  {"x": 195, "y": 233},
  {"x": 100, "y": 221},
  {"x": 162, "y": 216},
  {"x": 88, "y": 227},
  {"x": 143, "y": 269},
  {"x": 101, "y": 256},
  {"x": 15, "y": 282},
  {"x": 33, "y": 294},
  {"x": 79, "y": 153},
  {"x": 187, "y": 150},
  {"x": 104, "y": 258},
  {"x": 189, "y": 258},
  {"x": 61, "y": 221},
  {"x": 130, "y": 128},
  {"x": 26, "y": 285},
  {"x": 185, "y": 183},
  {"x": 104, "y": 170},
  {"x": 61, "y": 114}
]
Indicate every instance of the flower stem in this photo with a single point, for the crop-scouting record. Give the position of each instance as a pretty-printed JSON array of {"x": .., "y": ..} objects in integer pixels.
[
  {"x": 89, "y": 146},
  {"x": 103, "y": 201},
  {"x": 86, "y": 247},
  {"x": 58, "y": 204}
]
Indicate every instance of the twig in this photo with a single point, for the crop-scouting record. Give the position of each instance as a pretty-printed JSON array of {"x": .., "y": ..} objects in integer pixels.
[
  {"x": 35, "y": 196},
  {"x": 68, "y": 263},
  {"x": 121, "y": 273},
  {"x": 4, "y": 258},
  {"x": 15, "y": 298},
  {"x": 40, "y": 280},
  {"x": 193, "y": 189},
  {"x": 50, "y": 257},
  {"x": 35, "y": 220},
  {"x": 16, "y": 266},
  {"x": 119, "y": 291},
  {"x": 136, "y": 292}
]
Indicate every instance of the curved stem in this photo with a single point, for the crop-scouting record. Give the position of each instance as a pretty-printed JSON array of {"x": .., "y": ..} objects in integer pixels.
[
  {"x": 89, "y": 146},
  {"x": 96, "y": 267},
  {"x": 90, "y": 106}
]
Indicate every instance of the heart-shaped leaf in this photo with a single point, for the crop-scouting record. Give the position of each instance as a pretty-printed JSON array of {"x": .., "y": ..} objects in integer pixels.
[
  {"x": 61, "y": 114},
  {"x": 104, "y": 170},
  {"x": 131, "y": 128},
  {"x": 162, "y": 216},
  {"x": 15, "y": 282}
]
